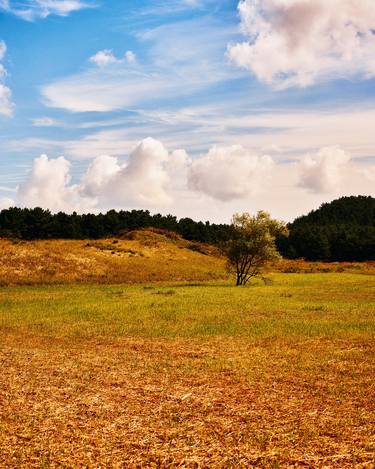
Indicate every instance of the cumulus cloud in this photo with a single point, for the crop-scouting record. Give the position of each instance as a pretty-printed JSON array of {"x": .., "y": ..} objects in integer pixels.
[
  {"x": 324, "y": 171},
  {"x": 151, "y": 177},
  {"x": 103, "y": 58},
  {"x": 228, "y": 173},
  {"x": 30, "y": 10},
  {"x": 48, "y": 186},
  {"x": 142, "y": 181},
  {"x": 106, "y": 57},
  {"x": 98, "y": 175},
  {"x": 6, "y": 105},
  {"x": 298, "y": 42}
]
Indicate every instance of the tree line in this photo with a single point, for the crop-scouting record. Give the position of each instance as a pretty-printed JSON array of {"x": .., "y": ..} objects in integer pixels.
[
  {"x": 343, "y": 230},
  {"x": 37, "y": 223}
]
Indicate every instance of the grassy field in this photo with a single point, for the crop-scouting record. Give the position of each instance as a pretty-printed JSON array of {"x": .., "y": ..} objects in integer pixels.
[{"x": 188, "y": 374}]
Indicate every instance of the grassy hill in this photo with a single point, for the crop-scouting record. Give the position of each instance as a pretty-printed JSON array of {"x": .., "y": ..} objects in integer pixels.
[{"x": 139, "y": 256}]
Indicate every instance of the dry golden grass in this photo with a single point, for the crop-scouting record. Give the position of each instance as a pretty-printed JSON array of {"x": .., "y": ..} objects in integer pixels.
[
  {"x": 144, "y": 257},
  {"x": 104, "y": 376},
  {"x": 143, "y": 403}
]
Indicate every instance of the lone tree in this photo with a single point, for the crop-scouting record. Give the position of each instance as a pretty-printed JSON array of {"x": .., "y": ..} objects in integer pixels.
[{"x": 252, "y": 244}]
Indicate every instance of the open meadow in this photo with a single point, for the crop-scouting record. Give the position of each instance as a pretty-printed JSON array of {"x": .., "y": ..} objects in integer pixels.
[
  {"x": 187, "y": 234},
  {"x": 189, "y": 374}
]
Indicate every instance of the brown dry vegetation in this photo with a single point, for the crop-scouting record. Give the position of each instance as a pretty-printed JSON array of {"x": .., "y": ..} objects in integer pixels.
[
  {"x": 142, "y": 256},
  {"x": 142, "y": 403}
]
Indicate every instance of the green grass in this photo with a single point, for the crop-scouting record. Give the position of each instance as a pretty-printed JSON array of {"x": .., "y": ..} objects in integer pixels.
[
  {"x": 189, "y": 375},
  {"x": 326, "y": 305}
]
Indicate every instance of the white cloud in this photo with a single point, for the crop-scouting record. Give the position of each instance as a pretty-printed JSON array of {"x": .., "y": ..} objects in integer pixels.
[
  {"x": 172, "y": 182},
  {"x": 151, "y": 177},
  {"x": 30, "y": 10},
  {"x": 48, "y": 186},
  {"x": 142, "y": 181},
  {"x": 6, "y": 105},
  {"x": 103, "y": 58},
  {"x": 324, "y": 171},
  {"x": 130, "y": 56},
  {"x": 106, "y": 57},
  {"x": 228, "y": 173},
  {"x": 99, "y": 173},
  {"x": 299, "y": 42}
]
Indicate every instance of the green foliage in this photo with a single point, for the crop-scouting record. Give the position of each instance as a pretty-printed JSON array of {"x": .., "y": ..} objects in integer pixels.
[
  {"x": 343, "y": 230},
  {"x": 31, "y": 224},
  {"x": 253, "y": 244}
]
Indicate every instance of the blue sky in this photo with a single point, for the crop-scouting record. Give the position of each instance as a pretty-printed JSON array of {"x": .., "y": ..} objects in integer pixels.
[{"x": 194, "y": 107}]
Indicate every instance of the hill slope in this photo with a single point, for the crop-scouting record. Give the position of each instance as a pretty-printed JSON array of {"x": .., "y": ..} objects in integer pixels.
[
  {"x": 352, "y": 210},
  {"x": 144, "y": 256}
]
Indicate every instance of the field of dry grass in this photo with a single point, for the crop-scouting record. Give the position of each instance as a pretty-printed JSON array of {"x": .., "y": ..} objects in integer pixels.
[
  {"x": 144, "y": 256},
  {"x": 188, "y": 375}
]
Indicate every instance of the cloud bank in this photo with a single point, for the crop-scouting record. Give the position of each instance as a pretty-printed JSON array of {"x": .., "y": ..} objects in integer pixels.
[
  {"x": 154, "y": 178},
  {"x": 300, "y": 42}
]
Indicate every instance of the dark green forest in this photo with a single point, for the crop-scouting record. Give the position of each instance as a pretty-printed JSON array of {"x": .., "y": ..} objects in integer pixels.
[{"x": 342, "y": 230}]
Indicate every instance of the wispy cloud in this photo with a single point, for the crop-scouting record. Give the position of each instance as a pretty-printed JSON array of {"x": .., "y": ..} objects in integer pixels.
[
  {"x": 287, "y": 133},
  {"x": 176, "y": 63},
  {"x": 31, "y": 10},
  {"x": 44, "y": 122},
  {"x": 6, "y": 105}
]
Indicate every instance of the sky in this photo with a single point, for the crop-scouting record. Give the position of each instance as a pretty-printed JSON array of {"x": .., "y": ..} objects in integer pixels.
[{"x": 198, "y": 108}]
